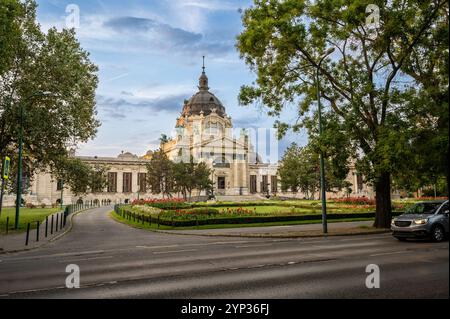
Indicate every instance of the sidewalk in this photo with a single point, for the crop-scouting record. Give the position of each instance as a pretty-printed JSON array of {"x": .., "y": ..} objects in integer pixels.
[
  {"x": 310, "y": 230},
  {"x": 16, "y": 242}
]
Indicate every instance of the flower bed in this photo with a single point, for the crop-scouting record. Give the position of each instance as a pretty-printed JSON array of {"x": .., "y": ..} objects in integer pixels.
[
  {"x": 149, "y": 210},
  {"x": 173, "y": 203},
  {"x": 207, "y": 213},
  {"x": 355, "y": 201},
  {"x": 187, "y": 219}
]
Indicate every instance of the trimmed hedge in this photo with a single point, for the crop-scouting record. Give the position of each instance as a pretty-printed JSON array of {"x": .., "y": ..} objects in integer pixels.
[{"x": 236, "y": 220}]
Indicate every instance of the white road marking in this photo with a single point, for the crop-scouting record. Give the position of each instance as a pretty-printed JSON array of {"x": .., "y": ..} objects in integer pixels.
[
  {"x": 157, "y": 247},
  {"x": 86, "y": 259},
  {"x": 251, "y": 246},
  {"x": 230, "y": 242},
  {"x": 391, "y": 253},
  {"x": 173, "y": 251}
]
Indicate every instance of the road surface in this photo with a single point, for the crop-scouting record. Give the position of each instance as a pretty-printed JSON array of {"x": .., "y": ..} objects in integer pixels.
[{"x": 117, "y": 261}]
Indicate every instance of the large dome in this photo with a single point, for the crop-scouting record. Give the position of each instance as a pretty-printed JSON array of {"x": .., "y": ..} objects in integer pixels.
[{"x": 203, "y": 101}]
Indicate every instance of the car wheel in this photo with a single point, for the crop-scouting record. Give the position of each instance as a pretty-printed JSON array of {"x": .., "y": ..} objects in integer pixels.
[
  {"x": 438, "y": 234},
  {"x": 401, "y": 238}
]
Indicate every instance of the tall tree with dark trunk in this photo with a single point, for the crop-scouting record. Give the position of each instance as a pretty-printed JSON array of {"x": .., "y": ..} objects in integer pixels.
[
  {"x": 362, "y": 82},
  {"x": 47, "y": 86}
]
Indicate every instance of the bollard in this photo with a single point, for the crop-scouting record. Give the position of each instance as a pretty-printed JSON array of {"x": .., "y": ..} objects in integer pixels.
[
  {"x": 62, "y": 221},
  {"x": 65, "y": 219},
  {"x": 57, "y": 223},
  {"x": 46, "y": 227},
  {"x": 28, "y": 234},
  {"x": 38, "y": 225},
  {"x": 51, "y": 229},
  {"x": 7, "y": 225},
  {"x": 158, "y": 221}
]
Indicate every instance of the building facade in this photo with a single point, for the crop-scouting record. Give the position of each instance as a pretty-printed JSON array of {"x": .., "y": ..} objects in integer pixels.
[{"x": 205, "y": 133}]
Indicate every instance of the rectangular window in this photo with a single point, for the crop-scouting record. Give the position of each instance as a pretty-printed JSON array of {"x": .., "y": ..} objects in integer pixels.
[
  {"x": 274, "y": 184},
  {"x": 59, "y": 185},
  {"x": 221, "y": 183},
  {"x": 265, "y": 184},
  {"x": 142, "y": 182},
  {"x": 127, "y": 182},
  {"x": 360, "y": 181},
  {"x": 112, "y": 182},
  {"x": 253, "y": 183}
]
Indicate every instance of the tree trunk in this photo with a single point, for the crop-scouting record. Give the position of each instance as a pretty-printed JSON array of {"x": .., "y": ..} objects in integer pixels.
[
  {"x": 447, "y": 171},
  {"x": 383, "y": 201}
]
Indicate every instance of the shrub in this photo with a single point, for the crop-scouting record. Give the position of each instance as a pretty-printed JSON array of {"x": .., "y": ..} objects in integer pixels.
[
  {"x": 43, "y": 205},
  {"x": 30, "y": 206}
]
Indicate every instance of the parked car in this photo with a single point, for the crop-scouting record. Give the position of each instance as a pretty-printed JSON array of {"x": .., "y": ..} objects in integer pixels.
[{"x": 423, "y": 220}]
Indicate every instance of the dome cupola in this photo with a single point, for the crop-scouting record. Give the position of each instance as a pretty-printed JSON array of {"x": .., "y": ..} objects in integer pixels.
[{"x": 203, "y": 102}]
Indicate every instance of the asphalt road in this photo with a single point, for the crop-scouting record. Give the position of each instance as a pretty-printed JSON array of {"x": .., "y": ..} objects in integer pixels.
[{"x": 117, "y": 261}]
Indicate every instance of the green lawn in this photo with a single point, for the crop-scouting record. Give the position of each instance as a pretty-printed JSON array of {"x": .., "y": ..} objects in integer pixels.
[
  {"x": 27, "y": 215},
  {"x": 262, "y": 208},
  {"x": 223, "y": 226}
]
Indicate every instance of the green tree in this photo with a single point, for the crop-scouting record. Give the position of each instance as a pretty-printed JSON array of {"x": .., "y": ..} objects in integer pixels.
[
  {"x": 299, "y": 171},
  {"x": 81, "y": 177},
  {"x": 160, "y": 177},
  {"x": 203, "y": 180},
  {"x": 428, "y": 64},
  {"x": 363, "y": 82},
  {"x": 54, "y": 63}
]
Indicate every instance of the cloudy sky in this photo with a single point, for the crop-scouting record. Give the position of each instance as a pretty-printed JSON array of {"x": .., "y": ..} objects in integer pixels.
[{"x": 150, "y": 55}]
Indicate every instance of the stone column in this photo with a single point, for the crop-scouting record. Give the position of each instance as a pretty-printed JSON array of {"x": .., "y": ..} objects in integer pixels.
[{"x": 119, "y": 182}]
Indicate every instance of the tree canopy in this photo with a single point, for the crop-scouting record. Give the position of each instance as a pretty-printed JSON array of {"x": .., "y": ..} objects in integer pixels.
[
  {"x": 166, "y": 177},
  {"x": 52, "y": 78},
  {"x": 299, "y": 171},
  {"x": 368, "y": 83}
]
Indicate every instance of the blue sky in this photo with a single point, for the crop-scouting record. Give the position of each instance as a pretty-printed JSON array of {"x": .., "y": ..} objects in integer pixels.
[{"x": 149, "y": 54}]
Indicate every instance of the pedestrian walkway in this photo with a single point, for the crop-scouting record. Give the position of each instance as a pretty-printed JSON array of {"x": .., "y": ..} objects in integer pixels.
[
  {"x": 49, "y": 229},
  {"x": 53, "y": 227}
]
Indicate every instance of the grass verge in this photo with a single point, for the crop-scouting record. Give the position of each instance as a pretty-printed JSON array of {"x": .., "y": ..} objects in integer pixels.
[{"x": 26, "y": 216}]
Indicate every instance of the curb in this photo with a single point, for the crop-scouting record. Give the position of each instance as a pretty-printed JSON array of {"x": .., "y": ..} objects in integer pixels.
[
  {"x": 59, "y": 236},
  {"x": 255, "y": 235}
]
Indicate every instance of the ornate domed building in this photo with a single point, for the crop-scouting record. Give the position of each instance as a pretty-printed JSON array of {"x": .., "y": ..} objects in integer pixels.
[{"x": 204, "y": 132}]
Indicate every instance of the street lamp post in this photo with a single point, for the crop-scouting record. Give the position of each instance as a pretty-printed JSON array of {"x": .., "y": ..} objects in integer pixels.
[
  {"x": 322, "y": 160},
  {"x": 19, "y": 162}
]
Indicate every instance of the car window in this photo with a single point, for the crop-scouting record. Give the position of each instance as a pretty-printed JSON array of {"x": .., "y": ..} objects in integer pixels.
[
  {"x": 425, "y": 208},
  {"x": 444, "y": 208}
]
